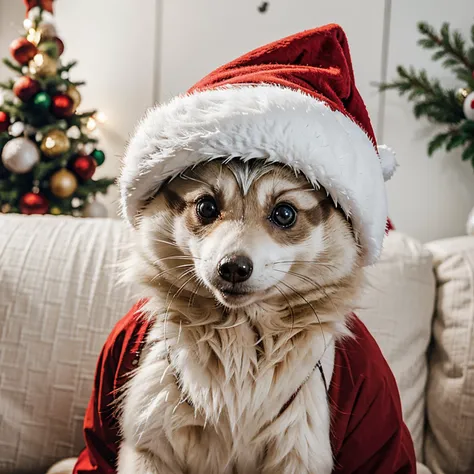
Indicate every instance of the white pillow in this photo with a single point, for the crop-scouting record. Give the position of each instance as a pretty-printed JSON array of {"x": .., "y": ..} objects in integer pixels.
[
  {"x": 449, "y": 446},
  {"x": 397, "y": 308},
  {"x": 58, "y": 302}
]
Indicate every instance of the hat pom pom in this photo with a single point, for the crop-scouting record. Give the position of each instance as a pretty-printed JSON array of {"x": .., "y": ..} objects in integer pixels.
[{"x": 388, "y": 161}]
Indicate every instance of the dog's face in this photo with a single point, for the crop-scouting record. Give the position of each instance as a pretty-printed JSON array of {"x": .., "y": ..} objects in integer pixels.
[{"x": 243, "y": 233}]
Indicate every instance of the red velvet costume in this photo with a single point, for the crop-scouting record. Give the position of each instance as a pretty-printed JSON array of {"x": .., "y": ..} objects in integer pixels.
[{"x": 368, "y": 434}]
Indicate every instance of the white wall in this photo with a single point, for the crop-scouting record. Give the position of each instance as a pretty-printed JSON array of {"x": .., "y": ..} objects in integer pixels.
[
  {"x": 133, "y": 53},
  {"x": 429, "y": 197}
]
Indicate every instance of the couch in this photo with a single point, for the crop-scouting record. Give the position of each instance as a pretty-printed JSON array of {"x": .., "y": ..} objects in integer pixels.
[{"x": 60, "y": 296}]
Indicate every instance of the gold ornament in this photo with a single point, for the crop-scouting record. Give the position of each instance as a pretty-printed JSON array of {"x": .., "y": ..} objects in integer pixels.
[
  {"x": 461, "y": 95},
  {"x": 63, "y": 184},
  {"x": 55, "y": 143},
  {"x": 6, "y": 208},
  {"x": 75, "y": 95},
  {"x": 55, "y": 211},
  {"x": 43, "y": 66}
]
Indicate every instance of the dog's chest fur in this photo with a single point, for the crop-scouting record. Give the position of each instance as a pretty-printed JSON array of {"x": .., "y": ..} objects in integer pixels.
[{"x": 217, "y": 410}]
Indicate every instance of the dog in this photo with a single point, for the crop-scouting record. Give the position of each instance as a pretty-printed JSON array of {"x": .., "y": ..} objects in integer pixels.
[
  {"x": 257, "y": 199},
  {"x": 252, "y": 273}
]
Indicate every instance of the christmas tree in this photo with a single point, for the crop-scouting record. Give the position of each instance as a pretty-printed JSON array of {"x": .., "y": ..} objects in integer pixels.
[
  {"x": 451, "y": 108},
  {"x": 48, "y": 153}
]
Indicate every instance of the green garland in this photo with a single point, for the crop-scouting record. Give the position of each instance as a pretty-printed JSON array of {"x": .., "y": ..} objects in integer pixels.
[{"x": 430, "y": 99}]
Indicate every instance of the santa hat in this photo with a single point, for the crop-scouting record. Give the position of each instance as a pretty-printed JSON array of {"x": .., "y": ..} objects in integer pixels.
[{"x": 293, "y": 102}]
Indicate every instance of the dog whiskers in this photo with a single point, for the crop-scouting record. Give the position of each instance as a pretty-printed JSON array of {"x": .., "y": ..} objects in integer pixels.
[
  {"x": 310, "y": 305},
  {"x": 290, "y": 307},
  {"x": 312, "y": 283}
]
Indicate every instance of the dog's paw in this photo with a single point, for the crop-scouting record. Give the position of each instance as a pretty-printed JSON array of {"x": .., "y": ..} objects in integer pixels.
[{"x": 65, "y": 466}]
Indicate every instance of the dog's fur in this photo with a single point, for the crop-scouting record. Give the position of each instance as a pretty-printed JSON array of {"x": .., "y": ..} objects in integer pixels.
[{"x": 217, "y": 368}]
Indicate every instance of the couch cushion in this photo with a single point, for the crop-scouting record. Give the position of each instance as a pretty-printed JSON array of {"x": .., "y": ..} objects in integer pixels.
[
  {"x": 397, "y": 307},
  {"x": 449, "y": 447},
  {"x": 59, "y": 299}
]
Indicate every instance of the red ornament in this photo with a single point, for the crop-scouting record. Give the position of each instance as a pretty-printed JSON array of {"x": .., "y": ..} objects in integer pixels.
[
  {"x": 32, "y": 203},
  {"x": 22, "y": 50},
  {"x": 4, "y": 121},
  {"x": 25, "y": 88},
  {"x": 63, "y": 106},
  {"x": 84, "y": 167},
  {"x": 44, "y": 4},
  {"x": 59, "y": 44}
]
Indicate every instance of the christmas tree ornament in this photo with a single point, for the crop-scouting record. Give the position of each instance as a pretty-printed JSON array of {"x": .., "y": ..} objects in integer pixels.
[
  {"x": 95, "y": 209},
  {"x": 4, "y": 121},
  {"x": 75, "y": 95},
  {"x": 461, "y": 94},
  {"x": 25, "y": 88},
  {"x": 65, "y": 75},
  {"x": 84, "y": 167},
  {"x": 16, "y": 129},
  {"x": 74, "y": 133},
  {"x": 468, "y": 106},
  {"x": 19, "y": 155},
  {"x": 22, "y": 50},
  {"x": 43, "y": 66},
  {"x": 55, "y": 211},
  {"x": 62, "y": 106},
  {"x": 55, "y": 143},
  {"x": 63, "y": 184},
  {"x": 39, "y": 137},
  {"x": 99, "y": 157},
  {"x": 42, "y": 100},
  {"x": 59, "y": 45},
  {"x": 6, "y": 208},
  {"x": 32, "y": 203}
]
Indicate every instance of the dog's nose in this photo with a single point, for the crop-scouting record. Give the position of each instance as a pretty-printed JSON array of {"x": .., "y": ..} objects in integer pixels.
[{"x": 235, "y": 268}]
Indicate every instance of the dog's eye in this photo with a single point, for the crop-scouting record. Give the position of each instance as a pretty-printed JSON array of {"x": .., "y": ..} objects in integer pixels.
[
  {"x": 206, "y": 209},
  {"x": 283, "y": 215}
]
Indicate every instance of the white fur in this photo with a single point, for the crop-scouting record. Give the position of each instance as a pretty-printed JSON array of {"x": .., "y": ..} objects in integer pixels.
[
  {"x": 230, "y": 427},
  {"x": 269, "y": 122}
]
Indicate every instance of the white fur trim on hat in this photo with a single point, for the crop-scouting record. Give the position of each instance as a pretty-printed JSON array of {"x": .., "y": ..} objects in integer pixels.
[{"x": 268, "y": 122}]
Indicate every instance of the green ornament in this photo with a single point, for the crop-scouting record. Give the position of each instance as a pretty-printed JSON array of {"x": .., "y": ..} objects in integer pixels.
[
  {"x": 99, "y": 157},
  {"x": 42, "y": 100}
]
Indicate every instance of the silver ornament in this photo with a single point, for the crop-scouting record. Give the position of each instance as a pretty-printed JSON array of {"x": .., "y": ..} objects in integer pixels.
[
  {"x": 468, "y": 106},
  {"x": 95, "y": 209},
  {"x": 20, "y": 155},
  {"x": 16, "y": 129}
]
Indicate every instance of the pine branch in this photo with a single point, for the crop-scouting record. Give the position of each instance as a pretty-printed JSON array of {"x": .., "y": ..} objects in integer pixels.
[
  {"x": 451, "y": 45},
  {"x": 67, "y": 67},
  {"x": 430, "y": 98},
  {"x": 437, "y": 142},
  {"x": 10, "y": 64},
  {"x": 7, "y": 85}
]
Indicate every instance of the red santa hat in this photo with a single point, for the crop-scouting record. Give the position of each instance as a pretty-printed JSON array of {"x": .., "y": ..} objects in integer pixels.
[{"x": 294, "y": 102}]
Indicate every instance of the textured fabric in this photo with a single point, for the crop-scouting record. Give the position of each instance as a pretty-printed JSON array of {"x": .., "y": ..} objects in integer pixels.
[
  {"x": 293, "y": 102},
  {"x": 449, "y": 447},
  {"x": 59, "y": 299},
  {"x": 397, "y": 307},
  {"x": 367, "y": 430}
]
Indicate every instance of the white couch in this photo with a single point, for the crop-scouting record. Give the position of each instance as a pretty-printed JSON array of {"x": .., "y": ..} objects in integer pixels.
[{"x": 59, "y": 298}]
